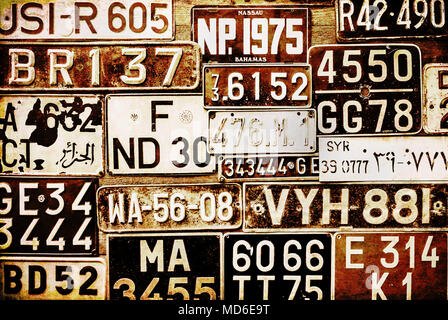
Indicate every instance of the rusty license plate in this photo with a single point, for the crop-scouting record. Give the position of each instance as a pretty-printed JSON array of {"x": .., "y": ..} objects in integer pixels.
[
  {"x": 362, "y": 89},
  {"x": 48, "y": 216},
  {"x": 419, "y": 158},
  {"x": 390, "y": 265},
  {"x": 51, "y": 135},
  {"x": 262, "y": 132},
  {"x": 100, "y": 66},
  {"x": 248, "y": 86},
  {"x": 146, "y": 146},
  {"x": 169, "y": 207},
  {"x": 258, "y": 168},
  {"x": 435, "y": 92},
  {"x": 361, "y": 206},
  {"x": 92, "y": 20},
  {"x": 251, "y": 33},
  {"x": 390, "y": 19},
  {"x": 277, "y": 267},
  {"x": 165, "y": 266},
  {"x": 44, "y": 278}
]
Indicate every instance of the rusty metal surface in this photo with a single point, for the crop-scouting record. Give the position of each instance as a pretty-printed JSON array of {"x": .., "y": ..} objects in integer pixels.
[
  {"x": 262, "y": 132},
  {"x": 81, "y": 20},
  {"x": 238, "y": 44},
  {"x": 180, "y": 266},
  {"x": 435, "y": 91},
  {"x": 419, "y": 158},
  {"x": 100, "y": 66},
  {"x": 265, "y": 168},
  {"x": 367, "y": 89},
  {"x": 248, "y": 86},
  {"x": 51, "y": 135},
  {"x": 48, "y": 216},
  {"x": 43, "y": 278},
  {"x": 390, "y": 19},
  {"x": 393, "y": 266},
  {"x": 319, "y": 206},
  {"x": 296, "y": 267},
  {"x": 169, "y": 207},
  {"x": 147, "y": 147}
]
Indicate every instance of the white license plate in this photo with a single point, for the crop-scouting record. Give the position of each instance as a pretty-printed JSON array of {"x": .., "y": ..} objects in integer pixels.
[
  {"x": 155, "y": 134},
  {"x": 422, "y": 158},
  {"x": 435, "y": 90},
  {"x": 262, "y": 132},
  {"x": 51, "y": 135},
  {"x": 95, "y": 19}
]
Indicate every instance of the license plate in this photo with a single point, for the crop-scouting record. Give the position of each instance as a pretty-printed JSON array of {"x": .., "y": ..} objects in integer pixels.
[
  {"x": 248, "y": 86},
  {"x": 278, "y": 2},
  {"x": 164, "y": 135},
  {"x": 92, "y": 20},
  {"x": 262, "y": 132},
  {"x": 100, "y": 66},
  {"x": 51, "y": 135},
  {"x": 165, "y": 267},
  {"x": 246, "y": 168},
  {"x": 390, "y": 19},
  {"x": 277, "y": 267},
  {"x": 28, "y": 278},
  {"x": 361, "y": 206},
  {"x": 390, "y": 265},
  {"x": 48, "y": 216},
  {"x": 421, "y": 158},
  {"x": 251, "y": 33},
  {"x": 169, "y": 207},
  {"x": 372, "y": 89},
  {"x": 435, "y": 89}
]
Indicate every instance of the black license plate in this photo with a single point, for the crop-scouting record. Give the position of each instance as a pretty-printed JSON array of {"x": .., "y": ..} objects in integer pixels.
[
  {"x": 48, "y": 216},
  {"x": 277, "y": 267}
]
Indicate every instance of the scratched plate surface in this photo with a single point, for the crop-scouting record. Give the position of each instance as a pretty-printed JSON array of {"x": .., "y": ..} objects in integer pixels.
[
  {"x": 43, "y": 278},
  {"x": 262, "y": 132},
  {"x": 164, "y": 135},
  {"x": 390, "y": 19},
  {"x": 51, "y": 135},
  {"x": 367, "y": 89},
  {"x": 247, "y": 86},
  {"x": 100, "y": 66},
  {"x": 435, "y": 90},
  {"x": 421, "y": 158},
  {"x": 92, "y": 20},
  {"x": 169, "y": 207},
  {"x": 165, "y": 267},
  {"x": 393, "y": 266},
  {"x": 251, "y": 33},
  {"x": 48, "y": 216},
  {"x": 361, "y": 206},
  {"x": 277, "y": 267}
]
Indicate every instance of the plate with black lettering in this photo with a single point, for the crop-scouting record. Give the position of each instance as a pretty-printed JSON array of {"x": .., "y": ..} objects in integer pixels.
[
  {"x": 87, "y": 20},
  {"x": 44, "y": 278},
  {"x": 260, "y": 168},
  {"x": 251, "y": 33},
  {"x": 48, "y": 216},
  {"x": 359, "y": 206},
  {"x": 277, "y": 267},
  {"x": 435, "y": 92},
  {"x": 390, "y": 265},
  {"x": 51, "y": 135},
  {"x": 170, "y": 207},
  {"x": 99, "y": 66},
  {"x": 157, "y": 134},
  {"x": 362, "y": 89},
  {"x": 165, "y": 267},
  {"x": 391, "y": 19}
]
